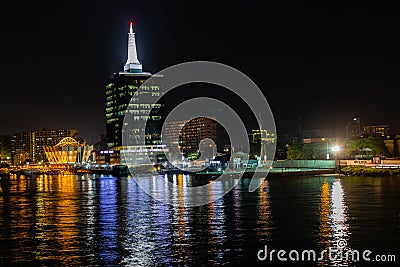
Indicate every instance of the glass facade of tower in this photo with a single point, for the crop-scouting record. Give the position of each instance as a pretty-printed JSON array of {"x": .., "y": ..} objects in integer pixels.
[{"x": 119, "y": 91}]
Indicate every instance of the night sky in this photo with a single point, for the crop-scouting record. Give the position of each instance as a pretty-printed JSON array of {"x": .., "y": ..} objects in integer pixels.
[{"x": 325, "y": 65}]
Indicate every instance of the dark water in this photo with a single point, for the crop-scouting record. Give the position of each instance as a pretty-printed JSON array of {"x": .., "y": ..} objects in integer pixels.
[{"x": 105, "y": 221}]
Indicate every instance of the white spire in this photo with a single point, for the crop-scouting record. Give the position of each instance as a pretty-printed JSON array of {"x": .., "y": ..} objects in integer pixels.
[{"x": 132, "y": 64}]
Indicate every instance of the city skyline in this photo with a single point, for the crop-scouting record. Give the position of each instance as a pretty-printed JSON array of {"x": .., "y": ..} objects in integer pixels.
[
  {"x": 322, "y": 72},
  {"x": 163, "y": 133}
]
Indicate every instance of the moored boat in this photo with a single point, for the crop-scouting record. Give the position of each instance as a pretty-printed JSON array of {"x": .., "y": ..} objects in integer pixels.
[
  {"x": 120, "y": 170},
  {"x": 52, "y": 172},
  {"x": 30, "y": 172}
]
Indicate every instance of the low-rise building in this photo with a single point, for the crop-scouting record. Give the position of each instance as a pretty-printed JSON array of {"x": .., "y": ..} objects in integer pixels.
[{"x": 68, "y": 151}]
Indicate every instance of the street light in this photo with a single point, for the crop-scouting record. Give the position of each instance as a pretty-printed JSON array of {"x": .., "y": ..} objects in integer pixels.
[
  {"x": 336, "y": 149},
  {"x": 327, "y": 147}
]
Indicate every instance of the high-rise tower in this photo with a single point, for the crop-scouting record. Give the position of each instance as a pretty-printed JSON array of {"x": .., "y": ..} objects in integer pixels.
[
  {"x": 353, "y": 128},
  {"x": 125, "y": 88}
]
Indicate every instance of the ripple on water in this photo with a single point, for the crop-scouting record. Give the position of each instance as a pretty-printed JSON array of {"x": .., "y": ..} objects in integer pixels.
[{"x": 84, "y": 220}]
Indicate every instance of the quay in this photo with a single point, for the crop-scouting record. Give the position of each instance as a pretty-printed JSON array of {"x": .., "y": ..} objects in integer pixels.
[
  {"x": 278, "y": 168},
  {"x": 271, "y": 172}
]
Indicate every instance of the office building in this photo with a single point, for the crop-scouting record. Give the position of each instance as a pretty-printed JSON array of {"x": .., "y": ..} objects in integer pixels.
[
  {"x": 124, "y": 92},
  {"x": 380, "y": 130},
  {"x": 190, "y": 133}
]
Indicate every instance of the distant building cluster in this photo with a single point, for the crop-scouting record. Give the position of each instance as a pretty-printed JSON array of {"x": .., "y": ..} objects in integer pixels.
[
  {"x": 29, "y": 146},
  {"x": 354, "y": 129},
  {"x": 323, "y": 140}
]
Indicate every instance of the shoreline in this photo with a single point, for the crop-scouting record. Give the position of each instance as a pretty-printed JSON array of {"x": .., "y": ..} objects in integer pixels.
[{"x": 369, "y": 171}]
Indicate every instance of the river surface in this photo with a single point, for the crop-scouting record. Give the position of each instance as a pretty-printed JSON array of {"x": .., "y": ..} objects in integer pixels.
[{"x": 107, "y": 221}]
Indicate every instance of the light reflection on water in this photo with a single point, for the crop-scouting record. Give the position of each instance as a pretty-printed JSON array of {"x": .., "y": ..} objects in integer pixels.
[
  {"x": 99, "y": 220},
  {"x": 333, "y": 228}
]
